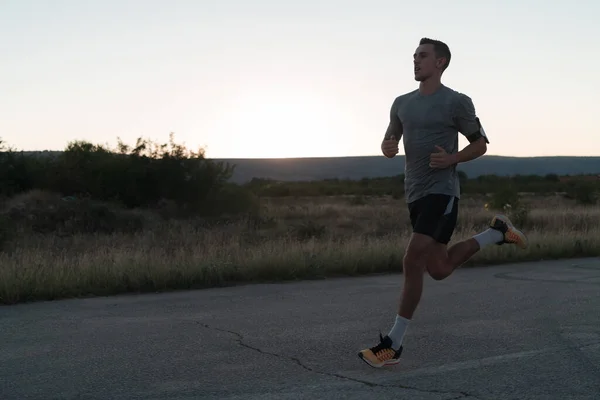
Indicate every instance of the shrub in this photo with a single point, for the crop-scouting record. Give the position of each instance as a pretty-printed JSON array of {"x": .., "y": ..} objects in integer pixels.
[
  {"x": 43, "y": 212},
  {"x": 143, "y": 176},
  {"x": 507, "y": 200},
  {"x": 308, "y": 229},
  {"x": 503, "y": 197},
  {"x": 584, "y": 193}
]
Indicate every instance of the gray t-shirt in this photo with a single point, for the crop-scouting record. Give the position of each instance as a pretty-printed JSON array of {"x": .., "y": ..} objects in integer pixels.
[{"x": 424, "y": 121}]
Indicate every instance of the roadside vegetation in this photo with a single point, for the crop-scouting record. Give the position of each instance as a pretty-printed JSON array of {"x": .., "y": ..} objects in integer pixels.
[{"x": 94, "y": 220}]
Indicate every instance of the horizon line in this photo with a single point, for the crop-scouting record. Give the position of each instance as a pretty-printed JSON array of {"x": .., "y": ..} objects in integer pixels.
[{"x": 331, "y": 157}]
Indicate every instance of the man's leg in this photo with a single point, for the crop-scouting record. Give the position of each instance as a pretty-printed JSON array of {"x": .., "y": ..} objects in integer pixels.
[
  {"x": 433, "y": 223},
  {"x": 433, "y": 229},
  {"x": 442, "y": 262},
  {"x": 388, "y": 351},
  {"x": 414, "y": 264},
  {"x": 440, "y": 259},
  {"x": 424, "y": 220}
]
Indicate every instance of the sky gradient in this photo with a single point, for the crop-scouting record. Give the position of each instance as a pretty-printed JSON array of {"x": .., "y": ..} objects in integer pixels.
[{"x": 285, "y": 79}]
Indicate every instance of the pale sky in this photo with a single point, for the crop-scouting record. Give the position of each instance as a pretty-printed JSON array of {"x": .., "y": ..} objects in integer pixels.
[{"x": 248, "y": 79}]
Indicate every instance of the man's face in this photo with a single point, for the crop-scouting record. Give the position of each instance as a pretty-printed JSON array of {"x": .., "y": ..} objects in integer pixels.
[{"x": 425, "y": 62}]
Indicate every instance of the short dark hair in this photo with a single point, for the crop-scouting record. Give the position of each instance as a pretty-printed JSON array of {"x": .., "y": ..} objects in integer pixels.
[{"x": 441, "y": 49}]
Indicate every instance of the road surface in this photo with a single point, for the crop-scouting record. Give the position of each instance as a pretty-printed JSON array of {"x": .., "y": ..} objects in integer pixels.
[{"x": 523, "y": 331}]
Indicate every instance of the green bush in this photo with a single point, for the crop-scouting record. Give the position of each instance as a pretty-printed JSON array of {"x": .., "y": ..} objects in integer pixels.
[
  {"x": 182, "y": 183},
  {"x": 308, "y": 229},
  {"x": 584, "y": 193},
  {"x": 506, "y": 199},
  {"x": 44, "y": 212},
  {"x": 144, "y": 176}
]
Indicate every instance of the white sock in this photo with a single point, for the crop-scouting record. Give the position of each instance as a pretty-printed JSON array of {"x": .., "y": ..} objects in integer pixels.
[
  {"x": 397, "y": 332},
  {"x": 488, "y": 237}
]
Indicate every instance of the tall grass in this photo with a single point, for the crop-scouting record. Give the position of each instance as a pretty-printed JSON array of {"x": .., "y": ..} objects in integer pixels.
[{"x": 290, "y": 239}]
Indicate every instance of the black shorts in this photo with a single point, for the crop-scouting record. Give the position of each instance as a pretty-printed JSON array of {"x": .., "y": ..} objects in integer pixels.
[{"x": 434, "y": 215}]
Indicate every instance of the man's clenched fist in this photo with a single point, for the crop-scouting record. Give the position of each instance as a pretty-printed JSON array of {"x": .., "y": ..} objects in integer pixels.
[{"x": 389, "y": 147}]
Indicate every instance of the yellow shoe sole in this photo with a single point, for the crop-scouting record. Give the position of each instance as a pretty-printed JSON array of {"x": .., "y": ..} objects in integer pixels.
[{"x": 512, "y": 235}]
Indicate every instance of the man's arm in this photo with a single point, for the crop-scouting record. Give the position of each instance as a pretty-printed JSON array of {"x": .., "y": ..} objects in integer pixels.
[
  {"x": 471, "y": 151},
  {"x": 469, "y": 125},
  {"x": 394, "y": 129},
  {"x": 393, "y": 133}
]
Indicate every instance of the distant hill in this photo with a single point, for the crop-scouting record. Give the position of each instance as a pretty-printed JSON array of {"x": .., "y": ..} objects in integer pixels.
[
  {"x": 318, "y": 168},
  {"x": 295, "y": 169}
]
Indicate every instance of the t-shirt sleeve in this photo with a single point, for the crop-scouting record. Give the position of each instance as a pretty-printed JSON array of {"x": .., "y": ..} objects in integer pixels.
[
  {"x": 466, "y": 119},
  {"x": 395, "y": 126}
]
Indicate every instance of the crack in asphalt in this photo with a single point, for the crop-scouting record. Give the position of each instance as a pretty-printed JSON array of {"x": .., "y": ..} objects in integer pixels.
[{"x": 240, "y": 341}]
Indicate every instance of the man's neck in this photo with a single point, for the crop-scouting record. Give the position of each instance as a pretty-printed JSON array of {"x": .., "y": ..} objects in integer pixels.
[{"x": 429, "y": 86}]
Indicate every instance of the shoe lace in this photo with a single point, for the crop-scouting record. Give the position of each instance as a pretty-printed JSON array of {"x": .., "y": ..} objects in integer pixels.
[
  {"x": 384, "y": 354},
  {"x": 511, "y": 236}
]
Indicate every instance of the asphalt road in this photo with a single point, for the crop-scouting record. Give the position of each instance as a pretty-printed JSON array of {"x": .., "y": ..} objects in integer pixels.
[{"x": 528, "y": 331}]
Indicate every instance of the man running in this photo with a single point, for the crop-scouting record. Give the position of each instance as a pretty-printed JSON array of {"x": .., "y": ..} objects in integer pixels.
[{"x": 428, "y": 120}]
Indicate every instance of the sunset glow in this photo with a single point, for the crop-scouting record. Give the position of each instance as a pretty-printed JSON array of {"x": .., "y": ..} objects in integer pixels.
[
  {"x": 280, "y": 79},
  {"x": 276, "y": 124}
]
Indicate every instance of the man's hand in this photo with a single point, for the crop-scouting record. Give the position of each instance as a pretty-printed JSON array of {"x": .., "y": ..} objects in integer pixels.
[
  {"x": 389, "y": 147},
  {"x": 441, "y": 159}
]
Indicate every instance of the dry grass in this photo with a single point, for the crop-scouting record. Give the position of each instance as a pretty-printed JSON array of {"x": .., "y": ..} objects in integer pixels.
[{"x": 293, "y": 239}]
